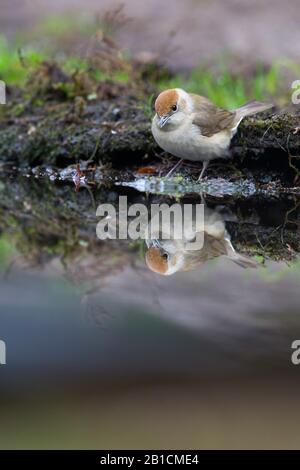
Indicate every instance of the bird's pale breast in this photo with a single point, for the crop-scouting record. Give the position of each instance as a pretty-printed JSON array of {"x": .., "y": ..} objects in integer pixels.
[{"x": 187, "y": 142}]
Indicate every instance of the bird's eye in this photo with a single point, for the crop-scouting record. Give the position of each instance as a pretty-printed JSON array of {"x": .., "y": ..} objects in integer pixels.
[
  {"x": 174, "y": 107},
  {"x": 165, "y": 256}
]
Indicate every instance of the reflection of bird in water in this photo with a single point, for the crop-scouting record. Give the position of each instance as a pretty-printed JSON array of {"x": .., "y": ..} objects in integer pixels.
[{"x": 167, "y": 256}]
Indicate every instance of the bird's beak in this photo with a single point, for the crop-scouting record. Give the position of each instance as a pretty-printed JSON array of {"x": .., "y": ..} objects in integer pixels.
[{"x": 163, "y": 120}]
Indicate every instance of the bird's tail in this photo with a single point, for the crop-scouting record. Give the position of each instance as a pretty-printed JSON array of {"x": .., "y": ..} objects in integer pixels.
[
  {"x": 241, "y": 260},
  {"x": 252, "y": 108}
]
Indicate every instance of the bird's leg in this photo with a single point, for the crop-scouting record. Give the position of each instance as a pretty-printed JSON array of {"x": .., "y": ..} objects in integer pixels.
[
  {"x": 202, "y": 197},
  {"x": 178, "y": 164},
  {"x": 204, "y": 166}
]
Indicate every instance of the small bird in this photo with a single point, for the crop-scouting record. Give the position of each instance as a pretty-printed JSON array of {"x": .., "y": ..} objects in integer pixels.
[
  {"x": 191, "y": 127},
  {"x": 167, "y": 255}
]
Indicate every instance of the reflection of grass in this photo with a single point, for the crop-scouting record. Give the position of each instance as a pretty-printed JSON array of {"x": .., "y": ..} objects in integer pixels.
[
  {"x": 282, "y": 271},
  {"x": 7, "y": 250}
]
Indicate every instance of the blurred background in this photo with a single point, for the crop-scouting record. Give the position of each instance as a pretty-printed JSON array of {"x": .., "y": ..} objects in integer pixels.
[
  {"x": 246, "y": 48},
  {"x": 181, "y": 33},
  {"x": 101, "y": 352}
]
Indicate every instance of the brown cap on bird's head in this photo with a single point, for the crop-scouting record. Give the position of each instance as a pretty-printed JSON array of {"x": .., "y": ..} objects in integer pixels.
[
  {"x": 165, "y": 101},
  {"x": 156, "y": 261}
]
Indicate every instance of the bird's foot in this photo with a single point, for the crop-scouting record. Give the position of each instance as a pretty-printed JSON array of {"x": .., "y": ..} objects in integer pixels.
[
  {"x": 205, "y": 165},
  {"x": 175, "y": 167}
]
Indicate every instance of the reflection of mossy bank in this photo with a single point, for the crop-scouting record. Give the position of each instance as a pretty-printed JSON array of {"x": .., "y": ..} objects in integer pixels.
[{"x": 45, "y": 221}]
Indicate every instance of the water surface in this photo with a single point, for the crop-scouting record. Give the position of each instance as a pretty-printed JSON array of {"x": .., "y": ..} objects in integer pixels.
[{"x": 102, "y": 351}]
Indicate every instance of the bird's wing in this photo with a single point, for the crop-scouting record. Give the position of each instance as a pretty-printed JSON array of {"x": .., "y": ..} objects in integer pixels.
[{"x": 210, "y": 118}]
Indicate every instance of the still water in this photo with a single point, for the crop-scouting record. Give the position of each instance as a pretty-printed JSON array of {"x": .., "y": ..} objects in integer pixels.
[{"x": 139, "y": 343}]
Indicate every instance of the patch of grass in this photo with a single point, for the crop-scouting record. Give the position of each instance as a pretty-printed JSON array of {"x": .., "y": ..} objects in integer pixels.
[
  {"x": 75, "y": 63},
  {"x": 229, "y": 90},
  {"x": 17, "y": 65},
  {"x": 106, "y": 61},
  {"x": 14, "y": 65}
]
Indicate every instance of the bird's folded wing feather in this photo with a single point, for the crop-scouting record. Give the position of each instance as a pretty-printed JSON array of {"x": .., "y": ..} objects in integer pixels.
[
  {"x": 209, "y": 118},
  {"x": 215, "y": 247}
]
